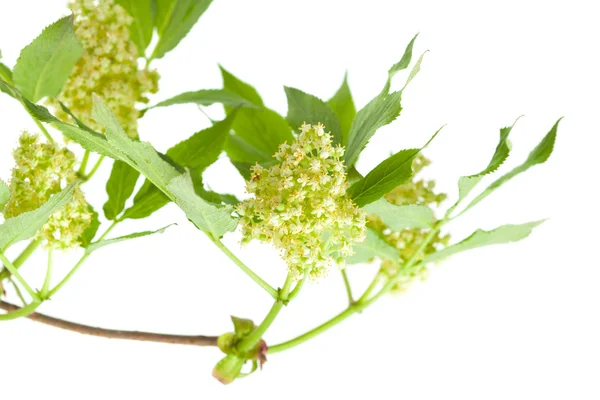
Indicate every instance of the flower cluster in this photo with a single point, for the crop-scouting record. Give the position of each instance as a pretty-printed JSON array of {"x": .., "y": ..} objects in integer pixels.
[
  {"x": 43, "y": 169},
  {"x": 409, "y": 240},
  {"x": 300, "y": 205},
  {"x": 108, "y": 67}
]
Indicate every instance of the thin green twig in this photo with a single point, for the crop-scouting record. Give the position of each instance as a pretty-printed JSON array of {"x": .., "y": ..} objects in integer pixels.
[{"x": 261, "y": 282}]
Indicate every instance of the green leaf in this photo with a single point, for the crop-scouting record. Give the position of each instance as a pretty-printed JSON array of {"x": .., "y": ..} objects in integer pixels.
[
  {"x": 538, "y": 155},
  {"x": 304, "y": 107},
  {"x": 147, "y": 201},
  {"x": 90, "y": 233},
  {"x": 467, "y": 183},
  {"x": 6, "y": 75},
  {"x": 206, "y": 98},
  {"x": 96, "y": 245},
  {"x": 415, "y": 70},
  {"x": 26, "y": 225},
  {"x": 212, "y": 219},
  {"x": 241, "y": 88},
  {"x": 398, "y": 218},
  {"x": 196, "y": 153},
  {"x": 388, "y": 175},
  {"x": 119, "y": 188},
  {"x": 140, "y": 155},
  {"x": 140, "y": 30},
  {"x": 343, "y": 106},
  {"x": 373, "y": 246},
  {"x": 4, "y": 195},
  {"x": 258, "y": 134},
  {"x": 503, "y": 234},
  {"x": 380, "y": 111},
  {"x": 174, "y": 19},
  {"x": 202, "y": 148},
  {"x": 385, "y": 177},
  {"x": 45, "y": 64},
  {"x": 402, "y": 64}
]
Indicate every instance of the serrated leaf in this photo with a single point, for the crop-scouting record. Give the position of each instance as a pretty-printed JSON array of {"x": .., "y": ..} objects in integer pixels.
[
  {"x": 39, "y": 112},
  {"x": 45, "y": 64},
  {"x": 96, "y": 245},
  {"x": 538, "y": 155},
  {"x": 304, "y": 107},
  {"x": 402, "y": 64},
  {"x": 385, "y": 177},
  {"x": 380, "y": 111},
  {"x": 147, "y": 201},
  {"x": 119, "y": 188},
  {"x": 343, "y": 106},
  {"x": 140, "y": 30},
  {"x": 90, "y": 232},
  {"x": 212, "y": 219},
  {"x": 206, "y": 98},
  {"x": 140, "y": 155},
  {"x": 373, "y": 246},
  {"x": 196, "y": 153},
  {"x": 26, "y": 225},
  {"x": 414, "y": 71},
  {"x": 467, "y": 183},
  {"x": 503, "y": 234},
  {"x": 234, "y": 85},
  {"x": 4, "y": 195},
  {"x": 398, "y": 218},
  {"x": 388, "y": 175},
  {"x": 174, "y": 19},
  {"x": 257, "y": 136}
]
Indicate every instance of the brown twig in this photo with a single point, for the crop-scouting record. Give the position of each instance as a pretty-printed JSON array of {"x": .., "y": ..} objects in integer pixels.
[{"x": 115, "y": 334}]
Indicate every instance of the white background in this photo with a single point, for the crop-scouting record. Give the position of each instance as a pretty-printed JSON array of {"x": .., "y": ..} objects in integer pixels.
[{"x": 517, "y": 321}]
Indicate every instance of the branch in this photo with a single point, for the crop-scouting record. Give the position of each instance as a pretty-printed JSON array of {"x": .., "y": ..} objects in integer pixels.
[{"x": 115, "y": 334}]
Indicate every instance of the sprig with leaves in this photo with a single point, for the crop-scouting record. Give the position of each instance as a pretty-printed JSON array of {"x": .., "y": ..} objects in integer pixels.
[{"x": 307, "y": 197}]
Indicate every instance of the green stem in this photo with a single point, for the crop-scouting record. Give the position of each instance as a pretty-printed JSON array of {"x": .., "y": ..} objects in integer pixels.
[
  {"x": 42, "y": 128},
  {"x": 22, "y": 312},
  {"x": 298, "y": 287},
  {"x": 348, "y": 287},
  {"x": 48, "y": 279},
  {"x": 25, "y": 254},
  {"x": 268, "y": 288},
  {"x": 409, "y": 264},
  {"x": 18, "y": 291},
  {"x": 79, "y": 264},
  {"x": 94, "y": 168},
  {"x": 252, "y": 339},
  {"x": 18, "y": 277},
  {"x": 312, "y": 333},
  {"x": 370, "y": 289},
  {"x": 84, "y": 163},
  {"x": 363, "y": 302}
]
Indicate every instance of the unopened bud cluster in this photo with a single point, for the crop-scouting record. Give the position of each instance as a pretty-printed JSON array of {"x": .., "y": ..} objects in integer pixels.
[
  {"x": 41, "y": 170},
  {"x": 409, "y": 240},
  {"x": 108, "y": 67},
  {"x": 300, "y": 205}
]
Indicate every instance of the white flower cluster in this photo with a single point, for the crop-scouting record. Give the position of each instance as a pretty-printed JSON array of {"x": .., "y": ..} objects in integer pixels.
[
  {"x": 108, "y": 67},
  {"x": 300, "y": 205},
  {"x": 44, "y": 169}
]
